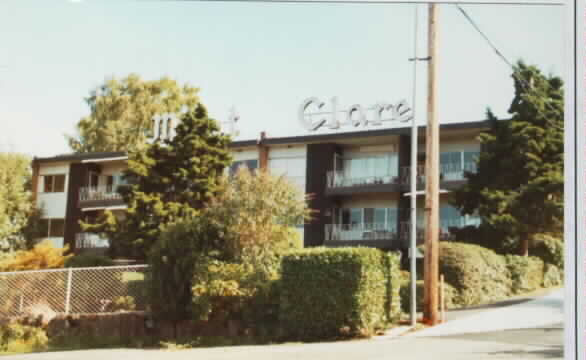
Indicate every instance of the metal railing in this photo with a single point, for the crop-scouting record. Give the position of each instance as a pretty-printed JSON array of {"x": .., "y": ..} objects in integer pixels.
[
  {"x": 448, "y": 172},
  {"x": 341, "y": 179},
  {"x": 90, "y": 241},
  {"x": 354, "y": 232},
  {"x": 73, "y": 291},
  {"x": 103, "y": 192},
  {"x": 445, "y": 227}
]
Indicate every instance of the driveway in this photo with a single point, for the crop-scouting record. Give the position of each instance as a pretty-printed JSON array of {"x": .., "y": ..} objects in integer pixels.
[{"x": 495, "y": 333}]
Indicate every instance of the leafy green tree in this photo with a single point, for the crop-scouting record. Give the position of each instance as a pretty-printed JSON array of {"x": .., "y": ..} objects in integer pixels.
[
  {"x": 169, "y": 179},
  {"x": 18, "y": 218},
  {"x": 518, "y": 189},
  {"x": 121, "y": 112}
]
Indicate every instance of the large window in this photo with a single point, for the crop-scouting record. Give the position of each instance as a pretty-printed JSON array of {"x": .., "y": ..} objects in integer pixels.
[
  {"x": 454, "y": 163},
  {"x": 53, "y": 227},
  {"x": 53, "y": 183},
  {"x": 368, "y": 217},
  {"x": 370, "y": 167},
  {"x": 450, "y": 217}
]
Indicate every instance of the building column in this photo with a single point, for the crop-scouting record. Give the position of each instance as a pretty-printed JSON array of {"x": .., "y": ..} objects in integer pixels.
[
  {"x": 34, "y": 182},
  {"x": 263, "y": 153}
]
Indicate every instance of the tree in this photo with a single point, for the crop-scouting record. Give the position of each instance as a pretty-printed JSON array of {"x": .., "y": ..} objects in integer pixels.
[
  {"x": 258, "y": 212},
  {"x": 169, "y": 180},
  {"x": 121, "y": 112},
  {"x": 18, "y": 217},
  {"x": 518, "y": 188},
  {"x": 228, "y": 255}
]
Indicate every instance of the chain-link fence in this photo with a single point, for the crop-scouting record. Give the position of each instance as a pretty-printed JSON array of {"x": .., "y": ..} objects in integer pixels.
[{"x": 73, "y": 290}]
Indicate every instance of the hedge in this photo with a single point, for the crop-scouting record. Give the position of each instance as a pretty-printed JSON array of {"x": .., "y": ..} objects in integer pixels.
[
  {"x": 479, "y": 274},
  {"x": 450, "y": 294},
  {"x": 548, "y": 248},
  {"x": 552, "y": 276},
  {"x": 327, "y": 293},
  {"x": 526, "y": 273}
]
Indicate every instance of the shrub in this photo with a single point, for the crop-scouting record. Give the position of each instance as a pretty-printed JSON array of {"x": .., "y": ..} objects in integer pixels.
[
  {"x": 552, "y": 276},
  {"x": 173, "y": 259},
  {"x": 526, "y": 273},
  {"x": 450, "y": 294},
  {"x": 327, "y": 293},
  {"x": 88, "y": 260},
  {"x": 42, "y": 256},
  {"x": 18, "y": 338},
  {"x": 548, "y": 248},
  {"x": 478, "y": 274}
]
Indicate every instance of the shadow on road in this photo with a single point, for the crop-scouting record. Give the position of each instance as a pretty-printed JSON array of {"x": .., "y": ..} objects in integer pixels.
[{"x": 554, "y": 352}]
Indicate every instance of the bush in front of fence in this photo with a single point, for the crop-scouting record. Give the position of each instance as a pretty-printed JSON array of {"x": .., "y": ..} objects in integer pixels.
[
  {"x": 21, "y": 338},
  {"x": 334, "y": 292},
  {"x": 42, "y": 256}
]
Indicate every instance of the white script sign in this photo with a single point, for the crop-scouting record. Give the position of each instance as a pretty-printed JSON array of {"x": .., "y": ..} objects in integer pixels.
[{"x": 356, "y": 115}]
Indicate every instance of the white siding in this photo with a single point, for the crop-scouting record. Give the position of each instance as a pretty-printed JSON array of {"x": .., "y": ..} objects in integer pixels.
[
  {"x": 245, "y": 155},
  {"x": 54, "y": 204}
]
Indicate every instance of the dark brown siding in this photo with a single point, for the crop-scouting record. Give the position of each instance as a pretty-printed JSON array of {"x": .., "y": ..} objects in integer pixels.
[
  {"x": 77, "y": 179},
  {"x": 320, "y": 160}
]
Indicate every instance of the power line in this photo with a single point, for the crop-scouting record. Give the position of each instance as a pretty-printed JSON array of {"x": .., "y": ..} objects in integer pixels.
[{"x": 515, "y": 74}]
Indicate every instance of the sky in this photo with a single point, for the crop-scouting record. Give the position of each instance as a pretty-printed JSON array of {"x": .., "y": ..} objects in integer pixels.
[{"x": 262, "y": 58}]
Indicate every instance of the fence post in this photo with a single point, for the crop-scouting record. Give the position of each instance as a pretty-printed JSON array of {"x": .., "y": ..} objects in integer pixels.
[
  {"x": 68, "y": 291},
  {"x": 443, "y": 299}
]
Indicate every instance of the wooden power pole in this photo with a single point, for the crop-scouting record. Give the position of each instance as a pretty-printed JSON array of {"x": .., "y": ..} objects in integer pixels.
[{"x": 431, "y": 258}]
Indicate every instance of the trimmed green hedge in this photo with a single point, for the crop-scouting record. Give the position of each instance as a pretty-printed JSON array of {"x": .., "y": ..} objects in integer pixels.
[
  {"x": 332, "y": 292},
  {"x": 479, "y": 274},
  {"x": 526, "y": 273},
  {"x": 450, "y": 294}
]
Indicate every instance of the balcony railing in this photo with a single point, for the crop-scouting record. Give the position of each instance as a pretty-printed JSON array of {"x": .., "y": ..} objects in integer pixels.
[
  {"x": 341, "y": 179},
  {"x": 356, "y": 232},
  {"x": 90, "y": 241},
  {"x": 445, "y": 227},
  {"x": 106, "y": 192},
  {"x": 448, "y": 172}
]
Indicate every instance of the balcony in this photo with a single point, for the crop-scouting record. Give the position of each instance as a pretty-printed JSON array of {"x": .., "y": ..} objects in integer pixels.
[
  {"x": 445, "y": 233},
  {"x": 100, "y": 196},
  {"x": 451, "y": 175},
  {"x": 375, "y": 235},
  {"x": 89, "y": 241},
  {"x": 340, "y": 182}
]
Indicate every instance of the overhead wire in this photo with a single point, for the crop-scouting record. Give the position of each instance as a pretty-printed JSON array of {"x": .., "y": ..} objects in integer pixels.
[{"x": 528, "y": 87}]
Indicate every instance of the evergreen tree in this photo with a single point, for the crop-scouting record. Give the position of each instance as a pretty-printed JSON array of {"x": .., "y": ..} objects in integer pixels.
[
  {"x": 169, "y": 179},
  {"x": 518, "y": 188}
]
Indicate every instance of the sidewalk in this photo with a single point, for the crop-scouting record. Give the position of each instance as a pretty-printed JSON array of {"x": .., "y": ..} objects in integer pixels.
[{"x": 544, "y": 310}]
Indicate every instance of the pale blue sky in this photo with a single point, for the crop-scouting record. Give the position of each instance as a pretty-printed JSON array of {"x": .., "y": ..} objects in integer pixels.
[{"x": 262, "y": 58}]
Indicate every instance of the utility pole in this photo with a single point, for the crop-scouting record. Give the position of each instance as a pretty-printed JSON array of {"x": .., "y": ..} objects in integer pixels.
[{"x": 431, "y": 256}]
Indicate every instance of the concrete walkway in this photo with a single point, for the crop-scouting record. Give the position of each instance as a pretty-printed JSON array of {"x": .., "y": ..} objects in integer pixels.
[{"x": 541, "y": 311}]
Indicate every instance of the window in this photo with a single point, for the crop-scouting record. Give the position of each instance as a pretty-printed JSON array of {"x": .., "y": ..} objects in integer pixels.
[
  {"x": 54, "y": 183},
  {"x": 371, "y": 167},
  {"x": 454, "y": 163},
  {"x": 250, "y": 164},
  {"x": 93, "y": 179},
  {"x": 52, "y": 227}
]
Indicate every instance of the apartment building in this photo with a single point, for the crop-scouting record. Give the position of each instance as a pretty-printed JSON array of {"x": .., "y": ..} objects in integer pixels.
[{"x": 358, "y": 183}]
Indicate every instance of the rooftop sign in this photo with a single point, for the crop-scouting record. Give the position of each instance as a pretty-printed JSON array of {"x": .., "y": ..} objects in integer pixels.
[{"x": 356, "y": 115}]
